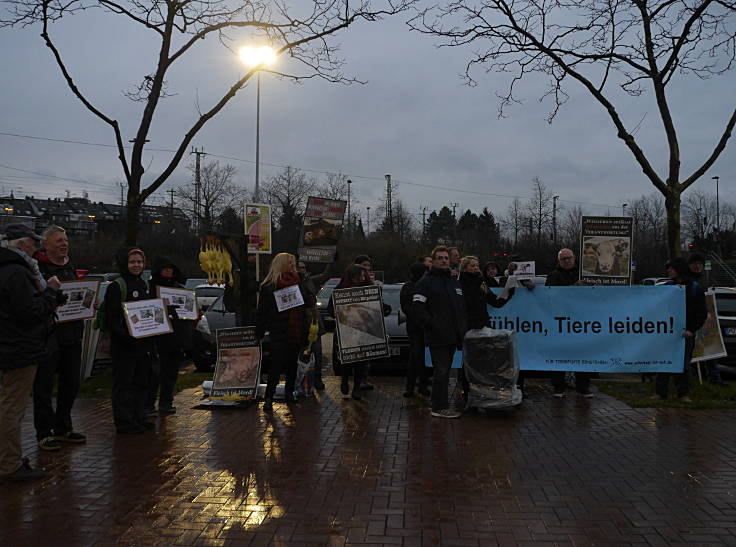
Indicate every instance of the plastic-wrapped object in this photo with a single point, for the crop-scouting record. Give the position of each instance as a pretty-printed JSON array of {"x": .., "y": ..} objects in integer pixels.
[
  {"x": 492, "y": 368},
  {"x": 305, "y": 373}
]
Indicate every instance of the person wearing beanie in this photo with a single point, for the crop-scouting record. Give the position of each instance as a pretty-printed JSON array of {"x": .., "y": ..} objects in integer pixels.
[
  {"x": 695, "y": 316},
  {"x": 696, "y": 265},
  {"x": 133, "y": 359}
]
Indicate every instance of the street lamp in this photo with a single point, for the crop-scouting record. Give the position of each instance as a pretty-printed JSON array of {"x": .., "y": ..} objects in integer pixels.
[
  {"x": 369, "y": 220},
  {"x": 349, "y": 225},
  {"x": 257, "y": 57},
  {"x": 623, "y": 209},
  {"x": 718, "y": 210}
]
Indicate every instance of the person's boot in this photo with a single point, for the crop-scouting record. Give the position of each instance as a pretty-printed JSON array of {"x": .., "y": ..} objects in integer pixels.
[{"x": 345, "y": 387}]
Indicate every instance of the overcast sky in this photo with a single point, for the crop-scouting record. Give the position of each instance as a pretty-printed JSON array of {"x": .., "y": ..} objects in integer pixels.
[{"x": 414, "y": 119}]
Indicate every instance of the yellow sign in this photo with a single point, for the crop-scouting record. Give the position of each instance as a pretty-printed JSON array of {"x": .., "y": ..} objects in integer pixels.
[{"x": 214, "y": 260}]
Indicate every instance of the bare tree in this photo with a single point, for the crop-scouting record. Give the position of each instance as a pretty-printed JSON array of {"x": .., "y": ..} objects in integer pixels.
[
  {"x": 288, "y": 192},
  {"x": 513, "y": 221},
  {"x": 540, "y": 208},
  {"x": 335, "y": 186},
  {"x": 606, "y": 46},
  {"x": 699, "y": 215},
  {"x": 570, "y": 227},
  {"x": 217, "y": 192},
  {"x": 301, "y": 30}
]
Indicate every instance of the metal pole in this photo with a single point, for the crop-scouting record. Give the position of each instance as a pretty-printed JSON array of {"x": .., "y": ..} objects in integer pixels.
[
  {"x": 718, "y": 215},
  {"x": 369, "y": 220},
  {"x": 349, "y": 183},
  {"x": 257, "y": 193},
  {"x": 554, "y": 219}
]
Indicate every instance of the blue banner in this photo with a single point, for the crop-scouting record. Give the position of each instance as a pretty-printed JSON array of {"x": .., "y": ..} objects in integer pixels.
[{"x": 595, "y": 329}]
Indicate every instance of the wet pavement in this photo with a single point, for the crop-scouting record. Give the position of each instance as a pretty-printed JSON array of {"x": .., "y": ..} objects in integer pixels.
[{"x": 381, "y": 471}]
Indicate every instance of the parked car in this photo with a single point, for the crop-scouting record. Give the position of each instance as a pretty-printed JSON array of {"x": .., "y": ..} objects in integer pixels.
[
  {"x": 110, "y": 276},
  {"x": 726, "y": 305},
  {"x": 323, "y": 300},
  {"x": 654, "y": 280},
  {"x": 207, "y": 294},
  {"x": 398, "y": 339},
  {"x": 194, "y": 282}
]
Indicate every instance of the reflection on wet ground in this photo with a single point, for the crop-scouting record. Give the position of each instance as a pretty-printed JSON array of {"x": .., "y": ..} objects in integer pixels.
[{"x": 381, "y": 471}]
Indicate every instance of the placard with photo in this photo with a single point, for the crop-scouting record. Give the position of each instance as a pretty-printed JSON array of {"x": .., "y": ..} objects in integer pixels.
[
  {"x": 80, "y": 304},
  {"x": 185, "y": 301},
  {"x": 146, "y": 318}
]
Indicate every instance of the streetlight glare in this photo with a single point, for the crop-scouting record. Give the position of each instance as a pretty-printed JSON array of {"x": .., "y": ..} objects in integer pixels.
[{"x": 255, "y": 56}]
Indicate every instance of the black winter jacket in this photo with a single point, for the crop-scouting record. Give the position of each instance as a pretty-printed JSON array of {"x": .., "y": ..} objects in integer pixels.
[
  {"x": 477, "y": 300},
  {"x": 406, "y": 299},
  {"x": 696, "y": 311},
  {"x": 183, "y": 336},
  {"x": 26, "y": 314},
  {"x": 562, "y": 278},
  {"x": 268, "y": 317},
  {"x": 69, "y": 333},
  {"x": 439, "y": 307},
  {"x": 122, "y": 342}
]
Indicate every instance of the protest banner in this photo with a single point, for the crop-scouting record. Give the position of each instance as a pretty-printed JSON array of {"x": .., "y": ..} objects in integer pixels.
[
  {"x": 361, "y": 333},
  {"x": 146, "y": 318},
  {"x": 80, "y": 304},
  {"x": 323, "y": 220},
  {"x": 597, "y": 329},
  {"x": 238, "y": 367},
  {"x": 709, "y": 339},
  {"x": 258, "y": 227},
  {"x": 605, "y": 250},
  {"x": 185, "y": 301}
]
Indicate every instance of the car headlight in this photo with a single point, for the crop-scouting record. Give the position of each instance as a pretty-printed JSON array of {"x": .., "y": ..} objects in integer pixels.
[{"x": 203, "y": 326}]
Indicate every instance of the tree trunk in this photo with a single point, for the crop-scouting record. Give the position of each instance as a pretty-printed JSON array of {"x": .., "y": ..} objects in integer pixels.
[
  {"x": 672, "y": 204},
  {"x": 132, "y": 220}
]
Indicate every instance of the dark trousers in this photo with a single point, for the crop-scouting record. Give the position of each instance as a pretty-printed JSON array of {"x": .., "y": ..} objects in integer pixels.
[
  {"x": 162, "y": 382},
  {"x": 359, "y": 372},
  {"x": 682, "y": 380},
  {"x": 66, "y": 362},
  {"x": 318, "y": 359},
  {"x": 283, "y": 360},
  {"x": 130, "y": 377},
  {"x": 416, "y": 373},
  {"x": 582, "y": 381},
  {"x": 441, "y": 363}
]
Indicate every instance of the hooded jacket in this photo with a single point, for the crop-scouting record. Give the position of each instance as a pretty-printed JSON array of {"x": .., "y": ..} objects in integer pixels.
[
  {"x": 137, "y": 289},
  {"x": 439, "y": 307},
  {"x": 559, "y": 277},
  {"x": 406, "y": 298},
  {"x": 183, "y": 335},
  {"x": 26, "y": 314},
  {"x": 66, "y": 333}
]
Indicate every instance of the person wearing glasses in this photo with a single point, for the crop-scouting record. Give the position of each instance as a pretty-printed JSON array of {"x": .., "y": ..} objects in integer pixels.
[{"x": 564, "y": 275}]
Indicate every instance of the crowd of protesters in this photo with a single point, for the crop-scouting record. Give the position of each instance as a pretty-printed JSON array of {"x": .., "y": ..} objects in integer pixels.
[{"x": 446, "y": 296}]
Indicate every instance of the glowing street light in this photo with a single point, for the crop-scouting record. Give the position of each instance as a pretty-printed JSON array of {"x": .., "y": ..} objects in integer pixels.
[{"x": 257, "y": 57}]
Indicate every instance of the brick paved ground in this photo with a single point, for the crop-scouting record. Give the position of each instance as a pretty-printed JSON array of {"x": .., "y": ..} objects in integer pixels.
[{"x": 381, "y": 471}]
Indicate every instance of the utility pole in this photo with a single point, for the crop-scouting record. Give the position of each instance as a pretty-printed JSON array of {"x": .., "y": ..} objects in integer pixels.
[
  {"x": 369, "y": 221},
  {"x": 197, "y": 189},
  {"x": 424, "y": 224},
  {"x": 350, "y": 182},
  {"x": 554, "y": 219},
  {"x": 389, "y": 206},
  {"x": 454, "y": 206},
  {"x": 172, "y": 200}
]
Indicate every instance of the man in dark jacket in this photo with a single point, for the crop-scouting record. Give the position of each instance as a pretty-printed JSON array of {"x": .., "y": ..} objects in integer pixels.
[
  {"x": 54, "y": 427},
  {"x": 565, "y": 275},
  {"x": 695, "y": 315},
  {"x": 416, "y": 369},
  {"x": 27, "y": 304},
  {"x": 439, "y": 307}
]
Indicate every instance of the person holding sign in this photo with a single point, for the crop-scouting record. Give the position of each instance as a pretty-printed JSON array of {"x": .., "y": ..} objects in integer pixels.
[
  {"x": 695, "y": 315},
  {"x": 283, "y": 312},
  {"x": 170, "y": 346},
  {"x": 132, "y": 358},
  {"x": 54, "y": 427}
]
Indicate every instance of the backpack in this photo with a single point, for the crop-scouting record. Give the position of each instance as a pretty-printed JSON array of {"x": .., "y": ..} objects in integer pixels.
[{"x": 100, "y": 321}]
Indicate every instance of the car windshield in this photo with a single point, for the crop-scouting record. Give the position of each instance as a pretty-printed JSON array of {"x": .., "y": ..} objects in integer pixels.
[
  {"x": 192, "y": 283},
  {"x": 391, "y": 297},
  {"x": 208, "y": 291},
  {"x": 219, "y": 304},
  {"x": 726, "y": 304},
  {"x": 323, "y": 296}
]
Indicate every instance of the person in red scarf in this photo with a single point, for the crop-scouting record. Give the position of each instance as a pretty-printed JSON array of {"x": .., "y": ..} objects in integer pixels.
[{"x": 283, "y": 313}]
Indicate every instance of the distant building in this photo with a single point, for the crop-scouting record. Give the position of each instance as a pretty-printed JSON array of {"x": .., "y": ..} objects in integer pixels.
[{"x": 80, "y": 216}]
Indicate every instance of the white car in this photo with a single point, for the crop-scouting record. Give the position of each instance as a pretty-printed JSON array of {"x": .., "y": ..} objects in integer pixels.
[{"x": 207, "y": 294}]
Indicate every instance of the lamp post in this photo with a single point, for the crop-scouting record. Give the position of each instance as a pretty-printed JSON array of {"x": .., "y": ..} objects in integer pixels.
[
  {"x": 623, "y": 209},
  {"x": 349, "y": 225},
  {"x": 257, "y": 57},
  {"x": 369, "y": 220},
  {"x": 718, "y": 213}
]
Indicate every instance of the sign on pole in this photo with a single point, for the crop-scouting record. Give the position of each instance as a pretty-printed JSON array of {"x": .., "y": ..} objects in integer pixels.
[
  {"x": 361, "y": 333},
  {"x": 605, "y": 250},
  {"x": 709, "y": 339},
  {"x": 323, "y": 221},
  {"x": 258, "y": 227}
]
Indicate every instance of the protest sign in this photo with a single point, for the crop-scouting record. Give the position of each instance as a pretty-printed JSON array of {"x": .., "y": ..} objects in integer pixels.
[
  {"x": 323, "y": 220},
  {"x": 258, "y": 227},
  {"x": 709, "y": 339},
  {"x": 524, "y": 270},
  {"x": 605, "y": 250},
  {"x": 146, "y": 318},
  {"x": 238, "y": 368},
  {"x": 288, "y": 297},
  {"x": 183, "y": 300},
  {"x": 80, "y": 304},
  {"x": 597, "y": 329},
  {"x": 361, "y": 333}
]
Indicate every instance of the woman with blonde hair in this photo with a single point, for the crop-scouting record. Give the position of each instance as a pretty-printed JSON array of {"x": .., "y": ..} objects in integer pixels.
[{"x": 283, "y": 312}]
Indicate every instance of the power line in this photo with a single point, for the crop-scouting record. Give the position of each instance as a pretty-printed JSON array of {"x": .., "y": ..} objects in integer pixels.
[{"x": 305, "y": 169}]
